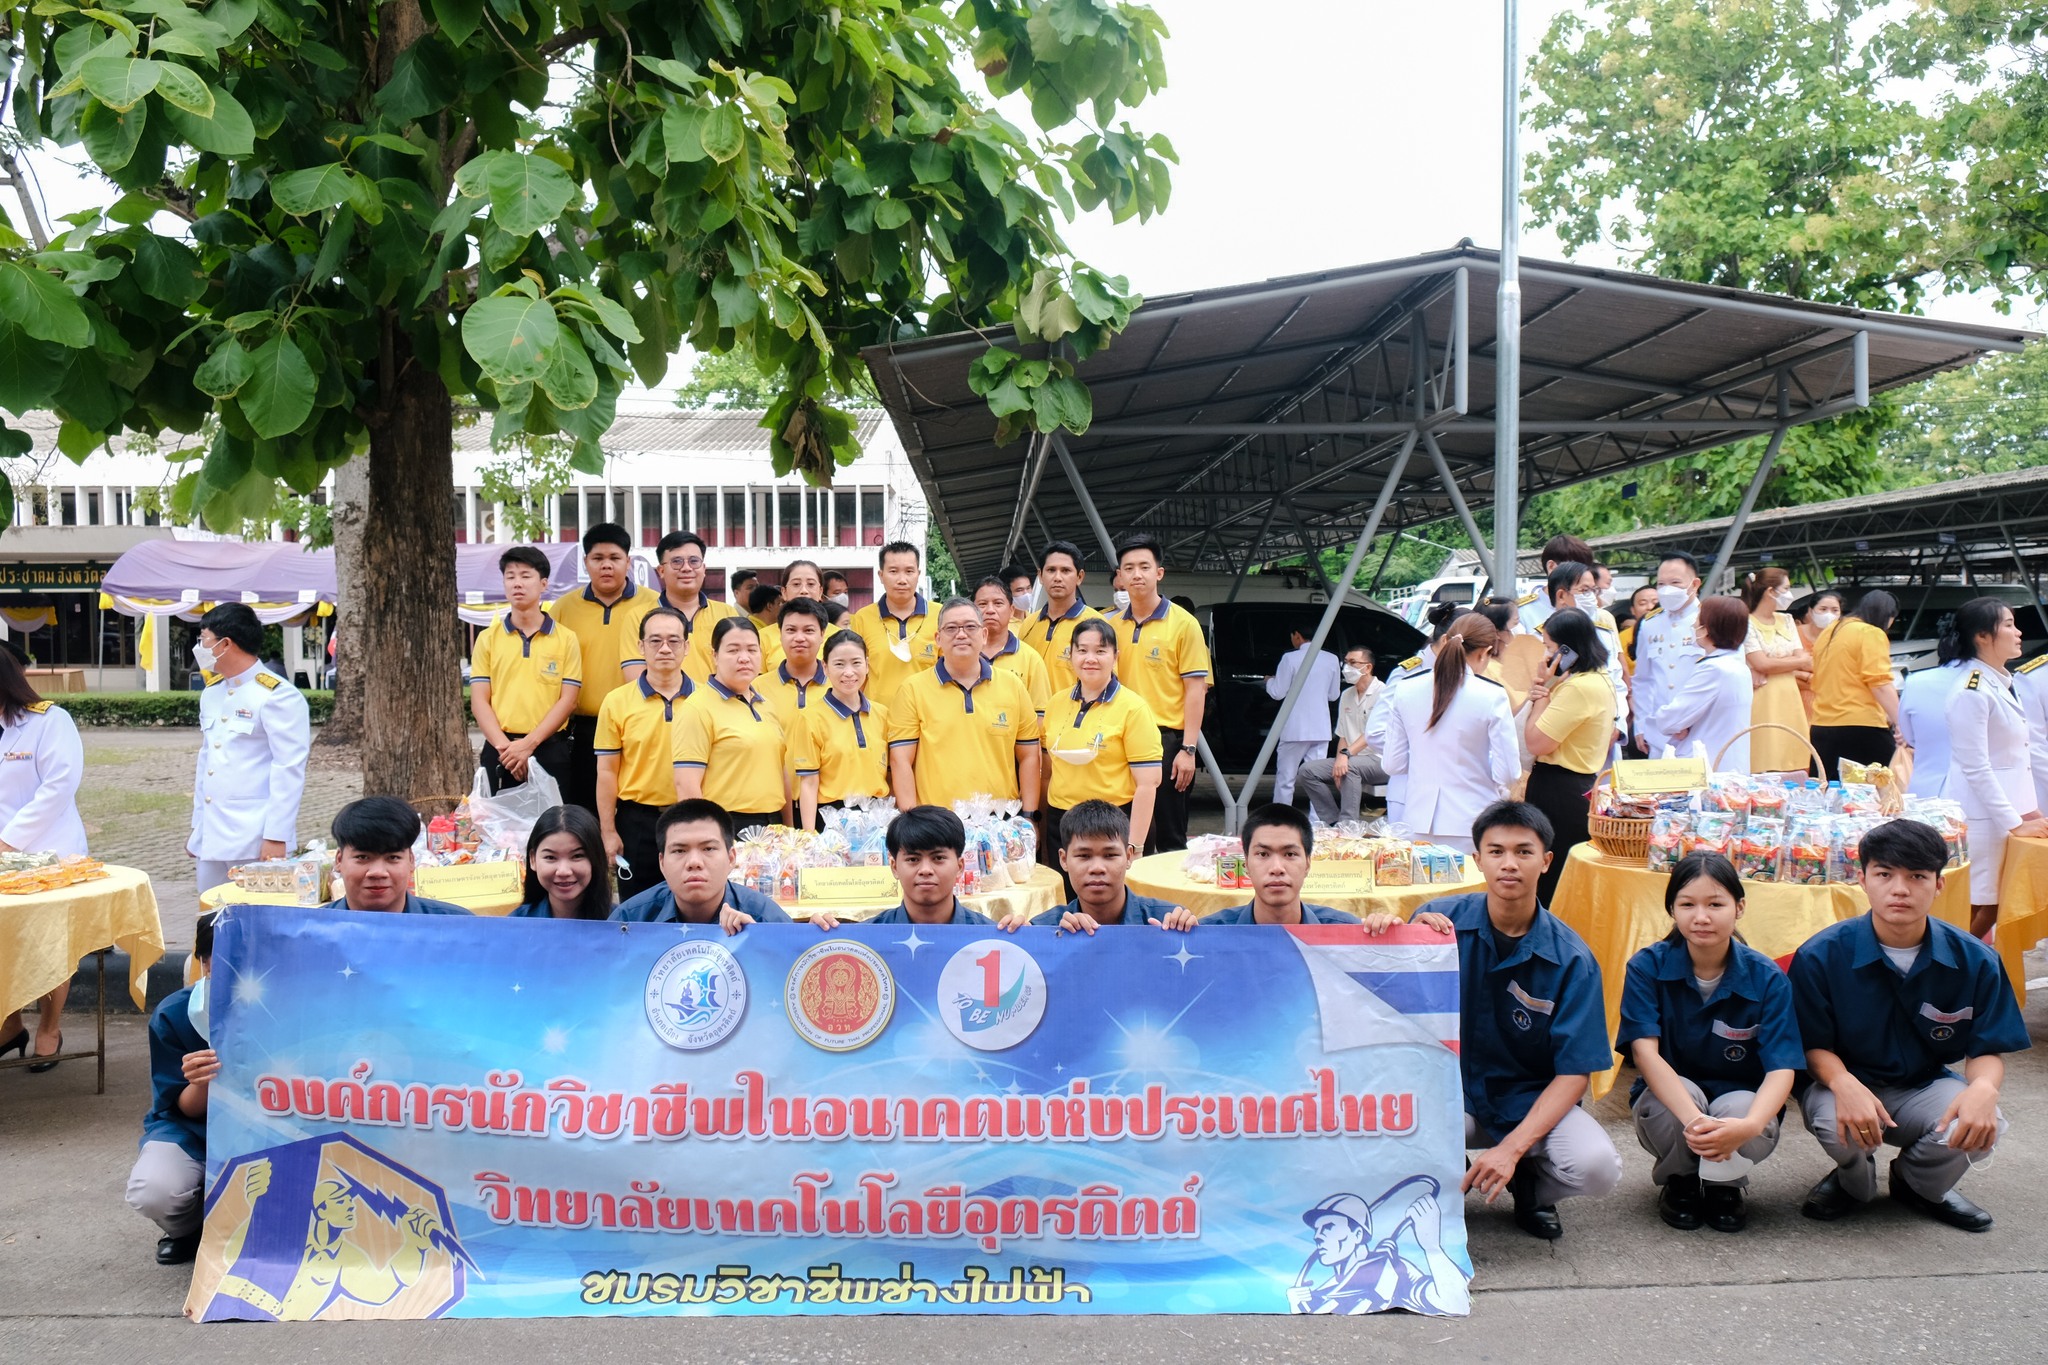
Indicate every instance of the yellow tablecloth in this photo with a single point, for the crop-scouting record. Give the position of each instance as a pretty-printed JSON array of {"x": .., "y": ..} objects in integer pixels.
[
  {"x": 2022, "y": 906},
  {"x": 1161, "y": 876},
  {"x": 42, "y": 937},
  {"x": 1618, "y": 908},
  {"x": 230, "y": 894}
]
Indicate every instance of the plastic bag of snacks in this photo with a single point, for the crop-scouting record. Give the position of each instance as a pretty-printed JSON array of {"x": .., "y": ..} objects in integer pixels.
[
  {"x": 1946, "y": 818},
  {"x": 1204, "y": 860},
  {"x": 1393, "y": 864},
  {"x": 1727, "y": 792},
  {"x": 313, "y": 870},
  {"x": 1713, "y": 831},
  {"x": 1858, "y": 798},
  {"x": 1809, "y": 841},
  {"x": 1767, "y": 801},
  {"x": 1668, "y": 831},
  {"x": 1845, "y": 853},
  {"x": 1760, "y": 850},
  {"x": 1806, "y": 798}
]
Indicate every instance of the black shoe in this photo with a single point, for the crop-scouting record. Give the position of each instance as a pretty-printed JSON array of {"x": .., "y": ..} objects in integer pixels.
[
  {"x": 1724, "y": 1210},
  {"x": 37, "y": 1068},
  {"x": 1951, "y": 1208},
  {"x": 177, "y": 1250},
  {"x": 1538, "y": 1220},
  {"x": 18, "y": 1043},
  {"x": 1828, "y": 1201},
  {"x": 1679, "y": 1205}
]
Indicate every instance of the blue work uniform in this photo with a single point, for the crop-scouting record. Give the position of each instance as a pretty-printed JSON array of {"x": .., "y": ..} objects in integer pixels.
[
  {"x": 539, "y": 909},
  {"x": 1310, "y": 914},
  {"x": 657, "y": 905},
  {"x": 961, "y": 915},
  {"x": 171, "y": 1038},
  {"x": 414, "y": 905},
  {"x": 1137, "y": 909},
  {"x": 1724, "y": 1044}
]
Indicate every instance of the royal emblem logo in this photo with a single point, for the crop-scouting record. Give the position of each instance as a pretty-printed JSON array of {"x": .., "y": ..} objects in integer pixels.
[
  {"x": 991, "y": 995},
  {"x": 839, "y": 995},
  {"x": 696, "y": 995},
  {"x": 1735, "y": 1052}
]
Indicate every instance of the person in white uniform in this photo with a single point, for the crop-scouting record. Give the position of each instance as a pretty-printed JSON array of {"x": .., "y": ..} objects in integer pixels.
[
  {"x": 1923, "y": 723},
  {"x": 1307, "y": 732},
  {"x": 1710, "y": 706},
  {"x": 253, "y": 737},
  {"x": 41, "y": 762},
  {"x": 1380, "y": 716},
  {"x": 1667, "y": 646},
  {"x": 1335, "y": 786},
  {"x": 1453, "y": 732},
  {"x": 1988, "y": 769},
  {"x": 2030, "y": 684}
]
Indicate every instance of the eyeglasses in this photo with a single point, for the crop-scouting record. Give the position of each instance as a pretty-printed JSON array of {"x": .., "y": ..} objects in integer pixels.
[
  {"x": 957, "y": 629},
  {"x": 668, "y": 642},
  {"x": 686, "y": 561}
]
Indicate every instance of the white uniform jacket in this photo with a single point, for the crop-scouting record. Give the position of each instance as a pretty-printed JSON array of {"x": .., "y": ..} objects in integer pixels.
[
  {"x": 1310, "y": 722},
  {"x": 1712, "y": 704},
  {"x": 1463, "y": 765},
  {"x": 1380, "y": 718},
  {"x": 1987, "y": 733},
  {"x": 1666, "y": 649},
  {"x": 2030, "y": 685},
  {"x": 253, "y": 737},
  {"x": 41, "y": 762},
  {"x": 1923, "y": 724}
]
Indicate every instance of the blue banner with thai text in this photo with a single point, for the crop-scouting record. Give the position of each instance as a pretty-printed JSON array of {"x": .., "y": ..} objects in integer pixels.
[{"x": 426, "y": 1116}]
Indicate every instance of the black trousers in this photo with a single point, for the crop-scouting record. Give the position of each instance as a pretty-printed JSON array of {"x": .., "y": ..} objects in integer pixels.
[
  {"x": 1560, "y": 794},
  {"x": 579, "y": 777},
  {"x": 1857, "y": 743},
  {"x": 553, "y": 755},
  {"x": 635, "y": 824},
  {"x": 1169, "y": 832}
]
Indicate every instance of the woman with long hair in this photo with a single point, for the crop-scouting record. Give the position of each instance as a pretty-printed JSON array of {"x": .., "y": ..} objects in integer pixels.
[
  {"x": 1568, "y": 730},
  {"x": 1708, "y": 1021},
  {"x": 1453, "y": 733},
  {"x": 1710, "y": 706},
  {"x": 1855, "y": 702},
  {"x": 38, "y": 814},
  {"x": 566, "y": 876},
  {"x": 1989, "y": 770},
  {"x": 1776, "y": 657},
  {"x": 1439, "y": 618}
]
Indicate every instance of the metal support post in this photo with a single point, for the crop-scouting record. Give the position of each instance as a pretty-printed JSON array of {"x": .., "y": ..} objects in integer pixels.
[
  {"x": 1252, "y": 550},
  {"x": 1507, "y": 349},
  {"x": 1034, "y": 470},
  {"x": 1461, "y": 342},
  {"x": 1242, "y": 807},
  {"x": 1926, "y": 591},
  {"x": 1373, "y": 590},
  {"x": 1450, "y": 483},
  {"x": 1310, "y": 550},
  {"x": 1724, "y": 556}
]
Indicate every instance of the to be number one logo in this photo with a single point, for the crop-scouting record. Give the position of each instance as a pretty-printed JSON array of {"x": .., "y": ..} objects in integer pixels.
[{"x": 991, "y": 995}]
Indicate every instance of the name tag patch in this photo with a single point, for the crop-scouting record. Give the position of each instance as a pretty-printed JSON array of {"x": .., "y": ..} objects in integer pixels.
[
  {"x": 1928, "y": 1011},
  {"x": 1742, "y": 1035},
  {"x": 1528, "y": 1001}
]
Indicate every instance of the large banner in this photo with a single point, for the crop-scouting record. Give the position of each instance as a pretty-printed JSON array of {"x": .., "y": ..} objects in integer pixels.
[{"x": 421, "y": 1116}]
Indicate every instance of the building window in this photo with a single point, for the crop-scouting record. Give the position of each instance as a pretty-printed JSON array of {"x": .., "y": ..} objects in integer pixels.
[
  {"x": 735, "y": 519},
  {"x": 67, "y": 505},
  {"x": 571, "y": 504},
  {"x": 843, "y": 518},
  {"x": 871, "y": 518},
  {"x": 461, "y": 516},
  {"x": 764, "y": 517},
  {"x": 791, "y": 529},
  {"x": 650, "y": 519},
  {"x": 93, "y": 509},
  {"x": 706, "y": 522}
]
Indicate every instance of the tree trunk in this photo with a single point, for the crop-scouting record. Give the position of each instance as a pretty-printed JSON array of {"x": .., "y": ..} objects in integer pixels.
[
  {"x": 351, "y": 496},
  {"x": 403, "y": 625}
]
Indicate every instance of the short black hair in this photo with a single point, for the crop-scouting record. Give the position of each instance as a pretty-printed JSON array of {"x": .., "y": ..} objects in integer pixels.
[
  {"x": 1569, "y": 628},
  {"x": 237, "y": 624},
  {"x": 898, "y": 547},
  {"x": 607, "y": 533},
  {"x": 1565, "y": 577},
  {"x": 676, "y": 540},
  {"x": 376, "y": 824},
  {"x": 1680, "y": 557},
  {"x": 1140, "y": 541},
  {"x": 1060, "y": 547},
  {"x": 1094, "y": 820},
  {"x": 202, "y": 936},
  {"x": 1016, "y": 571},
  {"x": 844, "y": 637},
  {"x": 531, "y": 557},
  {"x": 925, "y": 829},
  {"x": 1515, "y": 815},
  {"x": 669, "y": 612},
  {"x": 688, "y": 813},
  {"x": 741, "y": 577},
  {"x": 1908, "y": 845},
  {"x": 727, "y": 625},
  {"x": 1273, "y": 815},
  {"x": 999, "y": 582},
  {"x": 1560, "y": 549},
  {"x": 804, "y": 606},
  {"x": 761, "y": 596},
  {"x": 831, "y": 576}
]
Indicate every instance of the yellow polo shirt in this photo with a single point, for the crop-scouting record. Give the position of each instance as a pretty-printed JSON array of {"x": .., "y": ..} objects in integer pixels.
[
  {"x": 847, "y": 749},
  {"x": 1154, "y": 656},
  {"x": 1053, "y": 638},
  {"x": 610, "y": 636},
  {"x": 771, "y": 646},
  {"x": 883, "y": 632},
  {"x": 792, "y": 702},
  {"x": 1118, "y": 727},
  {"x": 1580, "y": 718},
  {"x": 638, "y": 724},
  {"x": 697, "y": 632},
  {"x": 1849, "y": 658},
  {"x": 967, "y": 737},
  {"x": 1028, "y": 668},
  {"x": 737, "y": 741},
  {"x": 526, "y": 672}
]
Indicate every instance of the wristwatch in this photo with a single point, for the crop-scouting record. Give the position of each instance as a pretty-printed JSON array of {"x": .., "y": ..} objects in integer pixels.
[{"x": 1187, "y": 748}]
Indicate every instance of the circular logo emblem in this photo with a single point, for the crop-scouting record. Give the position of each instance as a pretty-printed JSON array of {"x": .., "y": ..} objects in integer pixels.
[
  {"x": 696, "y": 995},
  {"x": 1941, "y": 1033},
  {"x": 1735, "y": 1052},
  {"x": 992, "y": 994},
  {"x": 1521, "y": 1018},
  {"x": 839, "y": 995}
]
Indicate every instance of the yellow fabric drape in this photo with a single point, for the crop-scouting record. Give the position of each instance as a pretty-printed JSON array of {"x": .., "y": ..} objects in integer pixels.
[
  {"x": 1161, "y": 877},
  {"x": 43, "y": 937}
]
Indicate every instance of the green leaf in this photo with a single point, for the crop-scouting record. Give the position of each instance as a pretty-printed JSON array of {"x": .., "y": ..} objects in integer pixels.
[
  {"x": 458, "y": 18},
  {"x": 341, "y": 231},
  {"x": 527, "y": 192},
  {"x": 682, "y": 130},
  {"x": 223, "y": 373},
  {"x": 180, "y": 86},
  {"x": 228, "y": 133},
  {"x": 511, "y": 337},
  {"x": 615, "y": 318},
  {"x": 30, "y": 371},
  {"x": 168, "y": 270},
  {"x": 736, "y": 299},
  {"x": 40, "y": 305},
  {"x": 679, "y": 74},
  {"x": 278, "y": 394},
  {"x": 391, "y": 142},
  {"x": 724, "y": 133},
  {"x": 120, "y": 82},
  {"x": 421, "y": 83},
  {"x": 891, "y": 214},
  {"x": 1063, "y": 402},
  {"x": 571, "y": 380},
  {"x": 311, "y": 190},
  {"x": 109, "y": 135}
]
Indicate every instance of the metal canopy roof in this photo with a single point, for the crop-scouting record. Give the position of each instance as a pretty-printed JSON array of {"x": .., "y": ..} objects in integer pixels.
[{"x": 1247, "y": 424}]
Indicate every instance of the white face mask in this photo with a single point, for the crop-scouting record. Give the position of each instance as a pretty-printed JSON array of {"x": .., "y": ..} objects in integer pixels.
[
  {"x": 1022, "y": 603},
  {"x": 1588, "y": 602},
  {"x": 1121, "y": 598},
  {"x": 205, "y": 658},
  {"x": 1782, "y": 598},
  {"x": 1671, "y": 599},
  {"x": 1605, "y": 597},
  {"x": 1823, "y": 619},
  {"x": 1352, "y": 673},
  {"x": 841, "y": 599},
  {"x": 196, "y": 1009}
]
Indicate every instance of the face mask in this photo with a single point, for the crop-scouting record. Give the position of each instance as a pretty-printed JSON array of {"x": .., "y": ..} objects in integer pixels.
[
  {"x": 1605, "y": 597},
  {"x": 1671, "y": 599},
  {"x": 196, "y": 1010},
  {"x": 1022, "y": 603},
  {"x": 1121, "y": 598},
  {"x": 1823, "y": 619},
  {"x": 841, "y": 599},
  {"x": 1352, "y": 673},
  {"x": 205, "y": 658},
  {"x": 1588, "y": 602},
  {"x": 1782, "y": 598}
]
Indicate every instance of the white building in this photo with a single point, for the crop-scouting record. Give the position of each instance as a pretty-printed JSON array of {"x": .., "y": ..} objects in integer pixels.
[{"x": 704, "y": 471}]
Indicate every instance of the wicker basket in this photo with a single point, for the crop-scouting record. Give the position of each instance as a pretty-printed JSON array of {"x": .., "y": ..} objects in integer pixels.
[
  {"x": 1618, "y": 836},
  {"x": 1715, "y": 766}
]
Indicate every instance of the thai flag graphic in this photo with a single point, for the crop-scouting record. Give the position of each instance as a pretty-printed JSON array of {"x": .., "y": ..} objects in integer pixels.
[{"x": 1401, "y": 987}]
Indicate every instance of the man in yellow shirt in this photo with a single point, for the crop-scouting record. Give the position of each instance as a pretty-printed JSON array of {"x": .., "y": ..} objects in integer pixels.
[
  {"x": 962, "y": 728},
  {"x": 524, "y": 677},
  {"x": 897, "y": 625},
  {"x": 606, "y": 619},
  {"x": 636, "y": 777},
  {"x": 1003, "y": 649},
  {"x": 679, "y": 563},
  {"x": 1050, "y": 629},
  {"x": 1162, "y": 656}
]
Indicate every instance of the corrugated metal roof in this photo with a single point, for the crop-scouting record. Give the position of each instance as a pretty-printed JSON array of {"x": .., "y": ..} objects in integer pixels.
[{"x": 683, "y": 431}]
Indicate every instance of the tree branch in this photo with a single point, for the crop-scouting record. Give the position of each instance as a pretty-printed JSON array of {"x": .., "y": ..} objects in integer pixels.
[{"x": 569, "y": 38}]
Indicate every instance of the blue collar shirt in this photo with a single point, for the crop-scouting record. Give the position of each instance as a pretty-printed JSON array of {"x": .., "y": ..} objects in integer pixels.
[
  {"x": 1310, "y": 914},
  {"x": 1137, "y": 909},
  {"x": 657, "y": 905},
  {"x": 898, "y": 914},
  {"x": 414, "y": 905},
  {"x": 171, "y": 1039},
  {"x": 1744, "y": 1030}
]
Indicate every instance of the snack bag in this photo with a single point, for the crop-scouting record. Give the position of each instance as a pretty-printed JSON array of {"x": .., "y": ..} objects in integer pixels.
[
  {"x": 1727, "y": 792},
  {"x": 1767, "y": 802},
  {"x": 1713, "y": 831},
  {"x": 1760, "y": 850},
  {"x": 1668, "y": 831},
  {"x": 1394, "y": 865},
  {"x": 1845, "y": 853},
  {"x": 1809, "y": 840}
]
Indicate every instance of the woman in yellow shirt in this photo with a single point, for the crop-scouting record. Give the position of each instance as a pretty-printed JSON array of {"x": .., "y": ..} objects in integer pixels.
[
  {"x": 728, "y": 743},
  {"x": 1776, "y": 657},
  {"x": 1104, "y": 743},
  {"x": 1570, "y": 725},
  {"x": 1855, "y": 701},
  {"x": 841, "y": 749}
]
